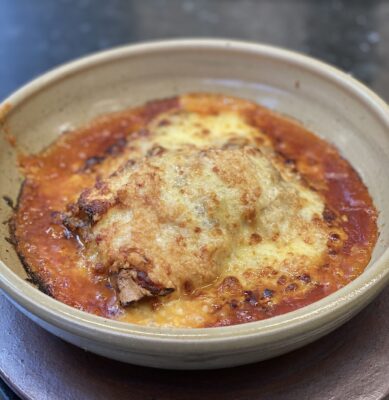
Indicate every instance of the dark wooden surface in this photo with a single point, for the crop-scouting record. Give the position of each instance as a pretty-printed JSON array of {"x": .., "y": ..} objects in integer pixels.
[{"x": 351, "y": 363}]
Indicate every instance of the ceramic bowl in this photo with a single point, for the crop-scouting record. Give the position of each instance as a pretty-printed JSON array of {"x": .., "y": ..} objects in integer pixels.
[{"x": 330, "y": 103}]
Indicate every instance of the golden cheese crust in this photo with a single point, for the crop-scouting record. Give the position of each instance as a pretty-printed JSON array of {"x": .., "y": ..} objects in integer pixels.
[
  {"x": 174, "y": 220},
  {"x": 202, "y": 210}
]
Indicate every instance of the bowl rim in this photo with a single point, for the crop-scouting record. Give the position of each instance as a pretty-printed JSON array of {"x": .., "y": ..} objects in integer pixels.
[{"x": 310, "y": 317}]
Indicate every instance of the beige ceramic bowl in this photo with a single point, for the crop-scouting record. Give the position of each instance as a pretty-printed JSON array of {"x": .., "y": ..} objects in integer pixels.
[{"x": 325, "y": 100}]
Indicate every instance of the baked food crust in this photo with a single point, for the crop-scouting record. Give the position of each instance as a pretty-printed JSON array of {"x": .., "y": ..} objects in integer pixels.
[{"x": 285, "y": 251}]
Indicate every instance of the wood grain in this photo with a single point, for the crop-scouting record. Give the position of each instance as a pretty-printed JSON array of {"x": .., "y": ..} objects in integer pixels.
[{"x": 350, "y": 363}]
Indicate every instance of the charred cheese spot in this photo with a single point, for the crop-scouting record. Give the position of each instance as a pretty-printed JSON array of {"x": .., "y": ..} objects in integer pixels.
[{"x": 203, "y": 210}]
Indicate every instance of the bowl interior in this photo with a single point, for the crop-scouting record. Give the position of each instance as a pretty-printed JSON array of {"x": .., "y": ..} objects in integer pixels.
[{"x": 127, "y": 77}]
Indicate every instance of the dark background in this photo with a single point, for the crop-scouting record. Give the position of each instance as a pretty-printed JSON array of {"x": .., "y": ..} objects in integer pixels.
[{"x": 37, "y": 35}]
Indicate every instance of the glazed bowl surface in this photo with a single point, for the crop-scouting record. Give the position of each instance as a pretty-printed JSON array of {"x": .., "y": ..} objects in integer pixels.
[{"x": 325, "y": 100}]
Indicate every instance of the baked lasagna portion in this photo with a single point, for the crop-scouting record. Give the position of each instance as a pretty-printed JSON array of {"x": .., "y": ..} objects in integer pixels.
[{"x": 197, "y": 211}]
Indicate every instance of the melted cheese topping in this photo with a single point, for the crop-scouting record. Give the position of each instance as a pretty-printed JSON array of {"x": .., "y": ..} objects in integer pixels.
[
  {"x": 280, "y": 218},
  {"x": 206, "y": 211}
]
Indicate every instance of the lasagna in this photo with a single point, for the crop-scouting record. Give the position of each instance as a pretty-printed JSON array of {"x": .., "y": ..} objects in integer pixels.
[{"x": 196, "y": 211}]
